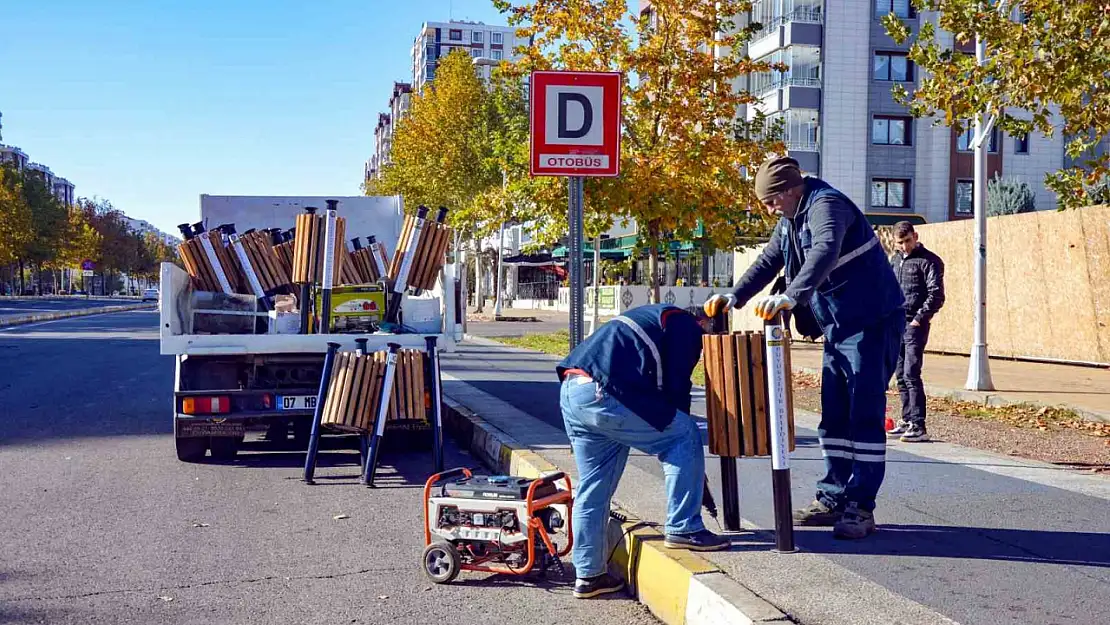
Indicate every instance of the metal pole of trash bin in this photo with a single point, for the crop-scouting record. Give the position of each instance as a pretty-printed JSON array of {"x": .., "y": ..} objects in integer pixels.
[
  {"x": 775, "y": 332},
  {"x": 437, "y": 404},
  {"x": 730, "y": 479},
  {"x": 321, "y": 397},
  {"x": 383, "y": 413}
]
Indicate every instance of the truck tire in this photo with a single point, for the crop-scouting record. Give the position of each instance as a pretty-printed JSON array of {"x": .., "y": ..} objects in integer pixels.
[
  {"x": 191, "y": 449},
  {"x": 225, "y": 447}
]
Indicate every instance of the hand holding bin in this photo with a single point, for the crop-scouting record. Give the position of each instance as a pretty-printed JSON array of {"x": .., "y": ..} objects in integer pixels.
[{"x": 739, "y": 409}]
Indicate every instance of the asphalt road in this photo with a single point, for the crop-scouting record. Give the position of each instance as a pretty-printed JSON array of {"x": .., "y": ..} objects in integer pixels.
[
  {"x": 978, "y": 538},
  {"x": 39, "y": 305},
  {"x": 101, "y": 524}
]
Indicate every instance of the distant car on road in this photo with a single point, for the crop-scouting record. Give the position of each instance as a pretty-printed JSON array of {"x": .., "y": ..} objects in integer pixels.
[{"x": 150, "y": 294}]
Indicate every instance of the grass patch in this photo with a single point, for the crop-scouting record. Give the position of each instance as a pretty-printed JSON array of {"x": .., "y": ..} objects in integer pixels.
[
  {"x": 558, "y": 344},
  {"x": 555, "y": 343}
]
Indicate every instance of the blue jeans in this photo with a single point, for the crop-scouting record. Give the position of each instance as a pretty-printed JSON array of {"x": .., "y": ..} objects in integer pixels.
[
  {"x": 855, "y": 375},
  {"x": 601, "y": 431}
]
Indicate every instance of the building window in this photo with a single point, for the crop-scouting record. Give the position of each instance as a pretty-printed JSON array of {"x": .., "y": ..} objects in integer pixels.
[
  {"x": 496, "y": 38},
  {"x": 477, "y": 36},
  {"x": 893, "y": 66},
  {"x": 496, "y": 55},
  {"x": 455, "y": 35},
  {"x": 476, "y": 53},
  {"x": 889, "y": 193},
  {"x": 964, "y": 143},
  {"x": 889, "y": 130},
  {"x": 1021, "y": 144},
  {"x": 430, "y": 52},
  {"x": 900, "y": 8},
  {"x": 965, "y": 197}
]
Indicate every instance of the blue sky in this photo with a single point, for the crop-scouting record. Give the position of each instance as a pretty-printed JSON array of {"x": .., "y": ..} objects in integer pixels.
[{"x": 149, "y": 105}]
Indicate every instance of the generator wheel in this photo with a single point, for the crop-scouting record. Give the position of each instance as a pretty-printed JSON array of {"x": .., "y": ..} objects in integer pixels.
[{"x": 441, "y": 562}]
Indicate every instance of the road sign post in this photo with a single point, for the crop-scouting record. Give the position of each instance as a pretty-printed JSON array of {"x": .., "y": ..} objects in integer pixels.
[{"x": 575, "y": 132}]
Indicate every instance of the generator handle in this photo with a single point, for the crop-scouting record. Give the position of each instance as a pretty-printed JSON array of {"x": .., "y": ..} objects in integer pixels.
[{"x": 554, "y": 477}]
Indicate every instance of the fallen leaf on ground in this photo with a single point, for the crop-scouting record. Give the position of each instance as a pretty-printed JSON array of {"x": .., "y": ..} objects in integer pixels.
[
  {"x": 340, "y": 517},
  {"x": 383, "y": 596},
  {"x": 165, "y": 598},
  {"x": 200, "y": 525}
]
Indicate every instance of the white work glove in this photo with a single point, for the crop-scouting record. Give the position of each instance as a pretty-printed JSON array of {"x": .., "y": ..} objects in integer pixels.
[
  {"x": 718, "y": 303},
  {"x": 769, "y": 306}
]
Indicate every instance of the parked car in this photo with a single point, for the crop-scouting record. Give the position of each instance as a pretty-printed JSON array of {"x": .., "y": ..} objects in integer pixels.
[{"x": 150, "y": 294}]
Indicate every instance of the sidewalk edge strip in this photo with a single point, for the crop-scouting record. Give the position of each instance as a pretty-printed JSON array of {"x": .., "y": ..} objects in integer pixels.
[
  {"x": 679, "y": 587},
  {"x": 82, "y": 312}
]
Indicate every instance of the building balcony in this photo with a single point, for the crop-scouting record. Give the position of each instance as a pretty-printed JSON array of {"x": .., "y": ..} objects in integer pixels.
[{"x": 786, "y": 22}]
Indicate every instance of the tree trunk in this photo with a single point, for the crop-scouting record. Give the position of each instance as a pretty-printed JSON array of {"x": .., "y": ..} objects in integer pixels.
[
  {"x": 478, "y": 300},
  {"x": 653, "y": 273},
  {"x": 22, "y": 280}
]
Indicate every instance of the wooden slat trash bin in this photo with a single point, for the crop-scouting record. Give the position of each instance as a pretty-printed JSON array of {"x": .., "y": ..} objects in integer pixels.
[
  {"x": 736, "y": 395},
  {"x": 355, "y": 390},
  {"x": 364, "y": 393},
  {"x": 750, "y": 409}
]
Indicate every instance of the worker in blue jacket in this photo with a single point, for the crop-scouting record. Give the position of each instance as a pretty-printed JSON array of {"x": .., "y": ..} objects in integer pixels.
[
  {"x": 628, "y": 386},
  {"x": 838, "y": 277}
]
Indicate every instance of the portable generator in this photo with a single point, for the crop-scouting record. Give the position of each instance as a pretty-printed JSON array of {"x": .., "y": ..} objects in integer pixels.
[{"x": 494, "y": 523}]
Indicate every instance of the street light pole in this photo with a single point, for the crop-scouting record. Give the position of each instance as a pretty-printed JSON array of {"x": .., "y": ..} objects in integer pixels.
[
  {"x": 979, "y": 367},
  {"x": 500, "y": 250}
]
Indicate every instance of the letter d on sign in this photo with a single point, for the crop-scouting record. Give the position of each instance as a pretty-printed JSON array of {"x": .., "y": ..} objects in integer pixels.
[{"x": 587, "y": 115}]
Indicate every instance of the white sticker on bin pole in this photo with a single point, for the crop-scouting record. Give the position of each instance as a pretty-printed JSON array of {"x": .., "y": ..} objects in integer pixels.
[
  {"x": 776, "y": 385},
  {"x": 329, "y": 250},
  {"x": 387, "y": 390}
]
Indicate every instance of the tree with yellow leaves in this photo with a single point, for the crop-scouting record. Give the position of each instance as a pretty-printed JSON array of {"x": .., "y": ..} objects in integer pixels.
[{"x": 687, "y": 139}]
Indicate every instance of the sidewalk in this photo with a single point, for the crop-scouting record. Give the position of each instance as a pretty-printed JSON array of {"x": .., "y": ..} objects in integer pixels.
[
  {"x": 1083, "y": 389},
  {"x": 1086, "y": 390},
  {"x": 966, "y": 536}
]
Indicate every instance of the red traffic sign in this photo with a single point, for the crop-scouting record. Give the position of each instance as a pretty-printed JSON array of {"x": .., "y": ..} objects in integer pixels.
[{"x": 575, "y": 123}]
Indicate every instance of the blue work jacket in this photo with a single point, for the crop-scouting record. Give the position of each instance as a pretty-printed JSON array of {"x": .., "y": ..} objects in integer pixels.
[{"x": 643, "y": 359}]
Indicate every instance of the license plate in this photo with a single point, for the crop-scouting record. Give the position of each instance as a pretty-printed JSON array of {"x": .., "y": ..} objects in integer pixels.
[
  {"x": 296, "y": 402},
  {"x": 215, "y": 427}
]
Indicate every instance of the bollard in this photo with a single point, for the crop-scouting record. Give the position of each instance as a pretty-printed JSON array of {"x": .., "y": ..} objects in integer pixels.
[
  {"x": 321, "y": 397},
  {"x": 778, "y": 408},
  {"x": 437, "y": 404},
  {"x": 380, "y": 418}
]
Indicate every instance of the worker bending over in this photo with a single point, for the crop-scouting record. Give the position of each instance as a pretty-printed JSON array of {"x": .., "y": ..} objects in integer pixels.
[{"x": 628, "y": 386}]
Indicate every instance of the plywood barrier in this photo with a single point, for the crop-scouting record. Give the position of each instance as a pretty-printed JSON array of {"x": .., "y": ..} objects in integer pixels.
[
  {"x": 736, "y": 395},
  {"x": 1048, "y": 285}
]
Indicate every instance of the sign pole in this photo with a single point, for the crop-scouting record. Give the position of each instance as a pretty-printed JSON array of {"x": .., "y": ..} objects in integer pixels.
[{"x": 574, "y": 219}]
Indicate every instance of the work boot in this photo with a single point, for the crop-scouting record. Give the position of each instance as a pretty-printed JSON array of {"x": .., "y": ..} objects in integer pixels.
[
  {"x": 855, "y": 523},
  {"x": 899, "y": 429},
  {"x": 816, "y": 514},
  {"x": 598, "y": 585},
  {"x": 915, "y": 434},
  {"x": 704, "y": 540}
]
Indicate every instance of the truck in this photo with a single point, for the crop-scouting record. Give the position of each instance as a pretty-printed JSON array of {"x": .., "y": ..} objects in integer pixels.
[{"x": 229, "y": 385}]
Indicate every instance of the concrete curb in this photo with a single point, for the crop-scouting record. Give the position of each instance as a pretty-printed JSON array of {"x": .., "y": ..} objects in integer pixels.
[
  {"x": 82, "y": 312},
  {"x": 679, "y": 587},
  {"x": 987, "y": 398}
]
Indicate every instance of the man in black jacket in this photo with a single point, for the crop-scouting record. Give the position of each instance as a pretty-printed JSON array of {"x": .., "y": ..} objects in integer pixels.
[{"x": 921, "y": 274}]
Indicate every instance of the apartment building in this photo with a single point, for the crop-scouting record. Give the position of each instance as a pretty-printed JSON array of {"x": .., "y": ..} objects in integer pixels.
[
  {"x": 483, "y": 41},
  {"x": 11, "y": 154},
  {"x": 60, "y": 187},
  {"x": 841, "y": 121}
]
